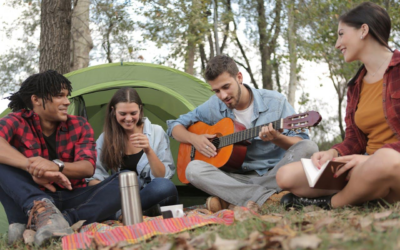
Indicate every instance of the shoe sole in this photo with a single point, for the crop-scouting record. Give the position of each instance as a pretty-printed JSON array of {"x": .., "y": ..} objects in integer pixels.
[{"x": 46, "y": 235}]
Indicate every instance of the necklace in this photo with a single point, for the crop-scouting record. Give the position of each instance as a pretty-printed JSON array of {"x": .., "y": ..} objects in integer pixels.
[{"x": 379, "y": 68}]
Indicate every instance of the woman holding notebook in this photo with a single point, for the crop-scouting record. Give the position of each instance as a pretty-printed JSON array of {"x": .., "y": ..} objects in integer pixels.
[{"x": 371, "y": 146}]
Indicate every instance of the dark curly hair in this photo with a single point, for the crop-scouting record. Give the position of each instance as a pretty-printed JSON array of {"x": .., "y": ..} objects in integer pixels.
[{"x": 44, "y": 85}]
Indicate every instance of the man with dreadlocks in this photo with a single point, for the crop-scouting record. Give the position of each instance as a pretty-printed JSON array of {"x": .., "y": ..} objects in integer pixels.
[{"x": 45, "y": 156}]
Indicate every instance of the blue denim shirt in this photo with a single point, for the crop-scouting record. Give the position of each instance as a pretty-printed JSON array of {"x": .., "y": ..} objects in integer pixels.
[
  {"x": 269, "y": 106},
  {"x": 159, "y": 142}
]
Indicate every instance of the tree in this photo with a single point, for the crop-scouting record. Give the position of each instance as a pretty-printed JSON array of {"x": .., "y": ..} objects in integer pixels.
[
  {"x": 113, "y": 31},
  {"x": 55, "y": 35},
  {"x": 180, "y": 26},
  {"x": 22, "y": 59},
  {"x": 263, "y": 29},
  {"x": 81, "y": 43},
  {"x": 292, "y": 44},
  {"x": 268, "y": 39}
]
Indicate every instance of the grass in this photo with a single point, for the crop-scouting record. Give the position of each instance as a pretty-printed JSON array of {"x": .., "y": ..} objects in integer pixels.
[{"x": 367, "y": 227}]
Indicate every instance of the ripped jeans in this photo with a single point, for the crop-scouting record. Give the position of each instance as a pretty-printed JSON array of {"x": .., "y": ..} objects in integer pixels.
[{"x": 237, "y": 188}]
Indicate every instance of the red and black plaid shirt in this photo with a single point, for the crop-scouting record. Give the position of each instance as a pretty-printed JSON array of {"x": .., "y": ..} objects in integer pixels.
[
  {"x": 355, "y": 141},
  {"x": 74, "y": 139}
]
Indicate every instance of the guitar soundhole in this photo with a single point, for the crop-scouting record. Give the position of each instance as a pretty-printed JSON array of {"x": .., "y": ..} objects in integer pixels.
[{"x": 216, "y": 141}]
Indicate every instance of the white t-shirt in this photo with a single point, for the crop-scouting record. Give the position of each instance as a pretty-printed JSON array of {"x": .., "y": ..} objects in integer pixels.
[{"x": 244, "y": 116}]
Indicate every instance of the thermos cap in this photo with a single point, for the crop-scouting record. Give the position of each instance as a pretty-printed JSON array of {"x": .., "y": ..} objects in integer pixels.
[{"x": 128, "y": 179}]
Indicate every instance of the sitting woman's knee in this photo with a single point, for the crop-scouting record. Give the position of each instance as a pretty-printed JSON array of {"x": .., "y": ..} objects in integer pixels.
[
  {"x": 283, "y": 177},
  {"x": 166, "y": 186},
  {"x": 387, "y": 160}
]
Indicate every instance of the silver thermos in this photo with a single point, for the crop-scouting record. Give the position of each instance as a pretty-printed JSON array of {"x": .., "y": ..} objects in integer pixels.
[{"x": 130, "y": 198}]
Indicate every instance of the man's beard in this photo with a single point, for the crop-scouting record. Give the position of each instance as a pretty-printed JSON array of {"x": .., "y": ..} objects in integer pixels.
[{"x": 234, "y": 105}]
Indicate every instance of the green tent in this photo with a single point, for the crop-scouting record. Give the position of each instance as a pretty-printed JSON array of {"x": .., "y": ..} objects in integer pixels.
[{"x": 165, "y": 92}]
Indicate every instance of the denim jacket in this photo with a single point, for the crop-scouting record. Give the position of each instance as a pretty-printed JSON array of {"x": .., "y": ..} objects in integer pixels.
[
  {"x": 159, "y": 142},
  {"x": 269, "y": 106}
]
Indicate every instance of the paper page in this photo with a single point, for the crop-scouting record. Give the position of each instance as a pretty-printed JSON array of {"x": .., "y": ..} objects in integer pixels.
[{"x": 312, "y": 172}]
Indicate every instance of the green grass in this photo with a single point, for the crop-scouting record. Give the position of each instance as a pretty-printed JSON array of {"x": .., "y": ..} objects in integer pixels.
[{"x": 365, "y": 228}]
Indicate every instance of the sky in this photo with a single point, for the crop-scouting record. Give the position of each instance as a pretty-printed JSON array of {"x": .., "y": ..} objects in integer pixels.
[{"x": 314, "y": 76}]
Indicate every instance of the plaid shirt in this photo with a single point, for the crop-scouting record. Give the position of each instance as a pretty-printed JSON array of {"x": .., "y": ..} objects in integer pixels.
[
  {"x": 355, "y": 141},
  {"x": 74, "y": 139}
]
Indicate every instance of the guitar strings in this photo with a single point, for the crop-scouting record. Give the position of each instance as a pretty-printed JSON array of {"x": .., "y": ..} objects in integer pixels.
[{"x": 217, "y": 141}]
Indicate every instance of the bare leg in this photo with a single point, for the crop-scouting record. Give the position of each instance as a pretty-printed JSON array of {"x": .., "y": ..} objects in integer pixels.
[
  {"x": 378, "y": 177},
  {"x": 292, "y": 178}
]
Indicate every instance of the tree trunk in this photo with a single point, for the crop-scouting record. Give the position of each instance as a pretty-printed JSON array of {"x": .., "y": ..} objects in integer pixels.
[
  {"x": 217, "y": 49},
  {"x": 276, "y": 65},
  {"x": 55, "y": 36},
  {"x": 81, "y": 42},
  {"x": 292, "y": 53},
  {"x": 190, "y": 52},
  {"x": 267, "y": 40}
]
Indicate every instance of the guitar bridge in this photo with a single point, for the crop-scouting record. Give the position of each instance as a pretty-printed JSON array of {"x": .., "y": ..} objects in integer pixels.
[{"x": 192, "y": 152}]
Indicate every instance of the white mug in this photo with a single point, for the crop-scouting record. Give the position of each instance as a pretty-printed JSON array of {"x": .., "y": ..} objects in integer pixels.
[{"x": 175, "y": 210}]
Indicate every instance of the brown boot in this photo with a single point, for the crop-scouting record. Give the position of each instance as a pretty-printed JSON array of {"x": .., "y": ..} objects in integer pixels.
[
  {"x": 47, "y": 220},
  {"x": 215, "y": 204}
]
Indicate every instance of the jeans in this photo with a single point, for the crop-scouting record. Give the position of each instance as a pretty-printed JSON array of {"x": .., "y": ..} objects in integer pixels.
[
  {"x": 159, "y": 191},
  {"x": 238, "y": 189},
  {"x": 92, "y": 203}
]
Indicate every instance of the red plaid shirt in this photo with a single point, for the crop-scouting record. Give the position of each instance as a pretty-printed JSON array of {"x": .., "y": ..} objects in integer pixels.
[
  {"x": 74, "y": 139},
  {"x": 355, "y": 141}
]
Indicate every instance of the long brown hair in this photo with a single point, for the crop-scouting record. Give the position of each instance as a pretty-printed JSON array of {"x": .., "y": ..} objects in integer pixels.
[
  {"x": 376, "y": 18},
  {"x": 114, "y": 135}
]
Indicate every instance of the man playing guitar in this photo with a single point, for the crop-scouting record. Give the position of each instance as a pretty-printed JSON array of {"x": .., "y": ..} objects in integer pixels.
[{"x": 254, "y": 182}]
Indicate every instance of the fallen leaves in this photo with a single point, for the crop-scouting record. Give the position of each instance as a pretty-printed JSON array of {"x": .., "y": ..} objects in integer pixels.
[
  {"x": 77, "y": 225},
  {"x": 29, "y": 236},
  {"x": 305, "y": 241},
  {"x": 382, "y": 215},
  {"x": 304, "y": 229},
  {"x": 222, "y": 244},
  {"x": 271, "y": 218}
]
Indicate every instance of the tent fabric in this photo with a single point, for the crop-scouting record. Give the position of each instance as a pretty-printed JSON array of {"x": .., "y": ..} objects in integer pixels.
[{"x": 165, "y": 92}]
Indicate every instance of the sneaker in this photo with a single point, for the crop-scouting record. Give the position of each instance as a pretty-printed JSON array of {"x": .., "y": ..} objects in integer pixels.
[
  {"x": 291, "y": 200},
  {"x": 215, "y": 204},
  {"x": 47, "y": 220},
  {"x": 15, "y": 232}
]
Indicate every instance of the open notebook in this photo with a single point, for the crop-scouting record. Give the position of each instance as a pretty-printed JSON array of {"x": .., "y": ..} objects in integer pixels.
[{"x": 323, "y": 178}]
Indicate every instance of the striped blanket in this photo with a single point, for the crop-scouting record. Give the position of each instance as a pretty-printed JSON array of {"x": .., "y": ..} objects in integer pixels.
[{"x": 104, "y": 235}]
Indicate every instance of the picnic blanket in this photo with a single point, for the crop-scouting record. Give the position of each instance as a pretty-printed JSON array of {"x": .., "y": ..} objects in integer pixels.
[{"x": 106, "y": 235}]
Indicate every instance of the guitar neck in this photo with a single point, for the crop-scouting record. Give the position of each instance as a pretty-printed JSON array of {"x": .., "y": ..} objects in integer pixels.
[{"x": 246, "y": 134}]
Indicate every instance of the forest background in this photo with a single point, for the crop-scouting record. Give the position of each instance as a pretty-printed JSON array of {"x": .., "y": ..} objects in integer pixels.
[{"x": 282, "y": 45}]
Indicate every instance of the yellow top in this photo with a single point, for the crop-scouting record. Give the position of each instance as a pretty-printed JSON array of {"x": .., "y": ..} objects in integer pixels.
[{"x": 370, "y": 118}]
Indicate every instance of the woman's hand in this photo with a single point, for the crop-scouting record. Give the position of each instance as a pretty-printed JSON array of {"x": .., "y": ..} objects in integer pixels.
[
  {"x": 319, "y": 158},
  {"x": 351, "y": 162},
  {"x": 140, "y": 140}
]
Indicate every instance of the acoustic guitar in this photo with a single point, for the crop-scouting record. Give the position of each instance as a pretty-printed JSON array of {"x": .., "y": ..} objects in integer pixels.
[{"x": 231, "y": 141}]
